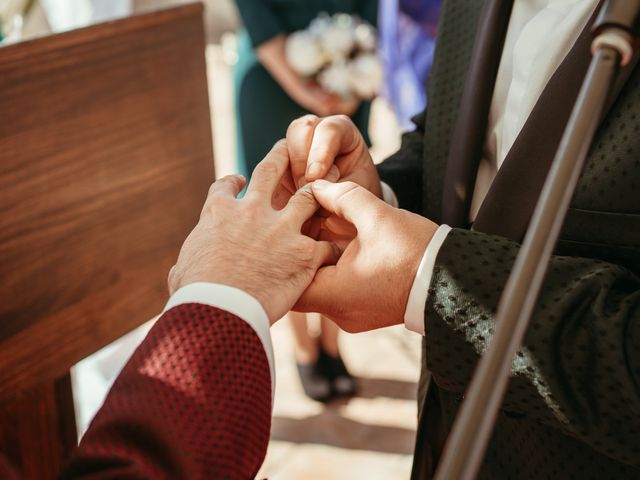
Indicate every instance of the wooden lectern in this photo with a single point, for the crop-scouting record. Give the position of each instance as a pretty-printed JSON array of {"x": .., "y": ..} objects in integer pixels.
[{"x": 105, "y": 161}]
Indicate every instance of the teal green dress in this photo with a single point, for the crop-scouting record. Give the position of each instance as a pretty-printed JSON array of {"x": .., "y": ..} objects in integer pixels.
[{"x": 263, "y": 109}]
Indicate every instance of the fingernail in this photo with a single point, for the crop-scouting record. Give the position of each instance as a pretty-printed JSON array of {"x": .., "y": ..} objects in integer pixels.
[
  {"x": 320, "y": 184},
  {"x": 333, "y": 174},
  {"x": 314, "y": 170}
]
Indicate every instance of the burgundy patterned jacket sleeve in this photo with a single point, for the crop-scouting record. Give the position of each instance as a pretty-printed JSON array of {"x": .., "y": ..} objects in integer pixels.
[{"x": 194, "y": 401}]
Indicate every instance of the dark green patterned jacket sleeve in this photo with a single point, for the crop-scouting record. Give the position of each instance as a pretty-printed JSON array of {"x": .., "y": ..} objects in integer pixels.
[
  {"x": 261, "y": 22},
  {"x": 579, "y": 367}
]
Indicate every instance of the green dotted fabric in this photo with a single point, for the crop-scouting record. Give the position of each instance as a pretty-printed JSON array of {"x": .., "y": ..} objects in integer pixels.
[
  {"x": 610, "y": 181},
  {"x": 604, "y": 219},
  {"x": 573, "y": 405},
  {"x": 456, "y": 35}
]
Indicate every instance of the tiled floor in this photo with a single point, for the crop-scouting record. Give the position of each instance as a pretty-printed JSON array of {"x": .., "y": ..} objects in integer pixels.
[{"x": 369, "y": 436}]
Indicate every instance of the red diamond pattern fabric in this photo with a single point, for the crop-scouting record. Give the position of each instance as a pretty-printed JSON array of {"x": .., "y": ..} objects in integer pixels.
[{"x": 194, "y": 401}]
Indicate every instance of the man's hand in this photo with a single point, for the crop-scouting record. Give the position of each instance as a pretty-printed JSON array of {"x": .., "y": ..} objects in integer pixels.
[
  {"x": 315, "y": 144},
  {"x": 369, "y": 286},
  {"x": 346, "y": 106},
  {"x": 311, "y": 97},
  {"x": 249, "y": 244}
]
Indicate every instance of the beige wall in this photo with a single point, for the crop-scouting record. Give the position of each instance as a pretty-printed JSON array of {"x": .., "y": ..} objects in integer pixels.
[{"x": 221, "y": 15}]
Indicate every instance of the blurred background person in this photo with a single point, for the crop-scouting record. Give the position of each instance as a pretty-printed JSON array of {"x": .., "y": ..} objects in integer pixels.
[
  {"x": 269, "y": 94},
  {"x": 407, "y": 42}
]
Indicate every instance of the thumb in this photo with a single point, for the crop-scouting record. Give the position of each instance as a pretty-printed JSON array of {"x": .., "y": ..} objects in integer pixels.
[
  {"x": 301, "y": 206},
  {"x": 350, "y": 201},
  {"x": 321, "y": 293}
]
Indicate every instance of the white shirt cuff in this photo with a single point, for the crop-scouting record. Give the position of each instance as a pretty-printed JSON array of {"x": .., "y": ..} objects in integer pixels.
[
  {"x": 235, "y": 301},
  {"x": 388, "y": 195},
  {"x": 414, "y": 313}
]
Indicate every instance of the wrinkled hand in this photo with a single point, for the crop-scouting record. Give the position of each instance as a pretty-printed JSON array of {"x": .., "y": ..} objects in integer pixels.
[
  {"x": 309, "y": 95},
  {"x": 347, "y": 106},
  {"x": 287, "y": 189},
  {"x": 318, "y": 101},
  {"x": 312, "y": 97},
  {"x": 249, "y": 244},
  {"x": 318, "y": 145},
  {"x": 315, "y": 144},
  {"x": 369, "y": 286}
]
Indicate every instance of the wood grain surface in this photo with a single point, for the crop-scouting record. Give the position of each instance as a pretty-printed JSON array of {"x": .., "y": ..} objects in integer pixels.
[
  {"x": 105, "y": 160},
  {"x": 38, "y": 429}
]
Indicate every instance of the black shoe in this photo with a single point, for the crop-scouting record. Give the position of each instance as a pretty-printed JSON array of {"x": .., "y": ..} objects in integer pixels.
[
  {"x": 314, "y": 381},
  {"x": 342, "y": 382}
]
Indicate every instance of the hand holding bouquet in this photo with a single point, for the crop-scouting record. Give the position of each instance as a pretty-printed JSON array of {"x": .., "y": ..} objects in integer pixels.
[{"x": 339, "y": 53}]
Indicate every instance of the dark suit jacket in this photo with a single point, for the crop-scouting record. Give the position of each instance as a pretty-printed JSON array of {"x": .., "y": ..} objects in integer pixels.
[
  {"x": 572, "y": 409},
  {"x": 194, "y": 401}
]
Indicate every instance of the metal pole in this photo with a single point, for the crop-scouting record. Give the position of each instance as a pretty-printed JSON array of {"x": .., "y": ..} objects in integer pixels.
[{"x": 472, "y": 429}]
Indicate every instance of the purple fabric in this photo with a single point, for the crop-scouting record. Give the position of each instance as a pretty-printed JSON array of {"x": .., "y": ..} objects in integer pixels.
[{"x": 407, "y": 42}]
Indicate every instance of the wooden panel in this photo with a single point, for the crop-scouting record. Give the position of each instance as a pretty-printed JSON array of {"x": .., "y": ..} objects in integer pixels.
[
  {"x": 106, "y": 159},
  {"x": 38, "y": 429}
]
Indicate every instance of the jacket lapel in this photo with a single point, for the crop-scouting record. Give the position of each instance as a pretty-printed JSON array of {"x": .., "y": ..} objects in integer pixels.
[
  {"x": 509, "y": 204},
  {"x": 457, "y": 32},
  {"x": 471, "y": 125}
]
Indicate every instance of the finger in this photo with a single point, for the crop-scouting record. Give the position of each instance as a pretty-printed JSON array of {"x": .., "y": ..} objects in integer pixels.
[
  {"x": 339, "y": 226},
  {"x": 333, "y": 136},
  {"x": 280, "y": 198},
  {"x": 350, "y": 201},
  {"x": 287, "y": 181},
  {"x": 170, "y": 280},
  {"x": 312, "y": 227},
  {"x": 229, "y": 186},
  {"x": 268, "y": 173},
  {"x": 324, "y": 109},
  {"x": 341, "y": 242},
  {"x": 283, "y": 192},
  {"x": 320, "y": 296},
  {"x": 332, "y": 176},
  {"x": 327, "y": 253},
  {"x": 299, "y": 136},
  {"x": 301, "y": 206},
  {"x": 324, "y": 101}
]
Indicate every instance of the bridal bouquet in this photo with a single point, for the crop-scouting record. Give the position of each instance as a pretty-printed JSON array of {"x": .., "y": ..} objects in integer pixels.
[{"x": 339, "y": 53}]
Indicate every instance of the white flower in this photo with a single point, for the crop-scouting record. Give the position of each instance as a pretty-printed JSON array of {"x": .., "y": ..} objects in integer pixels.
[
  {"x": 324, "y": 50},
  {"x": 366, "y": 75},
  {"x": 319, "y": 24},
  {"x": 304, "y": 54},
  {"x": 338, "y": 39},
  {"x": 336, "y": 78},
  {"x": 365, "y": 36}
]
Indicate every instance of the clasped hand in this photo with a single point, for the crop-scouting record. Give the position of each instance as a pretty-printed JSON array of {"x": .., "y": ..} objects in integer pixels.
[
  {"x": 354, "y": 261},
  {"x": 255, "y": 243}
]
